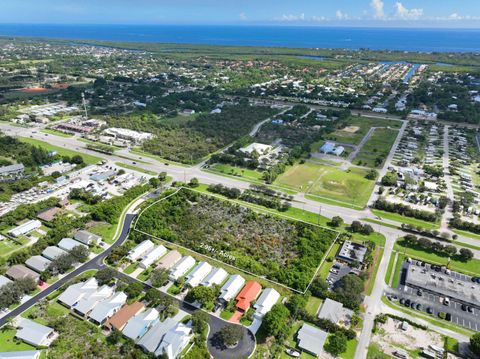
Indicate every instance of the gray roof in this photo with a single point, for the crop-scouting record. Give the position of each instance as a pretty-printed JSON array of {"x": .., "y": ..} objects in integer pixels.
[
  {"x": 32, "y": 332},
  {"x": 152, "y": 339},
  {"x": 86, "y": 237},
  {"x": 311, "y": 339},
  {"x": 25, "y": 354},
  {"x": 331, "y": 310},
  {"x": 38, "y": 263},
  {"x": 4, "y": 280},
  {"x": 18, "y": 167},
  {"x": 68, "y": 244},
  {"x": 19, "y": 271},
  {"x": 53, "y": 252}
]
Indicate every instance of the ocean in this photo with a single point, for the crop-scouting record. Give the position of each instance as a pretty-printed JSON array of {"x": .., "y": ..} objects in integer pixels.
[{"x": 402, "y": 39}]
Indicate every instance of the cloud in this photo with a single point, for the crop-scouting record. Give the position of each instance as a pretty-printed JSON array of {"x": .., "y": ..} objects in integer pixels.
[
  {"x": 291, "y": 17},
  {"x": 340, "y": 15},
  {"x": 319, "y": 18},
  {"x": 377, "y": 6},
  {"x": 243, "y": 16},
  {"x": 401, "y": 12}
]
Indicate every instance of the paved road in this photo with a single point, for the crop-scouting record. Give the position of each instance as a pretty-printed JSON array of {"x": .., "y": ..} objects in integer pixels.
[{"x": 448, "y": 181}]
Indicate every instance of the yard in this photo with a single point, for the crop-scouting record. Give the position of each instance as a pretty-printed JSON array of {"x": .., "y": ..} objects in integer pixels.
[
  {"x": 9, "y": 343},
  {"x": 104, "y": 230}
]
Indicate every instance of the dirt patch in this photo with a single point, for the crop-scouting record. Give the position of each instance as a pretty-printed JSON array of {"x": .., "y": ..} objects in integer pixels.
[
  {"x": 350, "y": 129},
  {"x": 34, "y": 90}
]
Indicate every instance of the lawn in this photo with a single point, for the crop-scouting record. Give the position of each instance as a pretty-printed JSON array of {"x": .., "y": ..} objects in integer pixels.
[
  {"x": 327, "y": 264},
  {"x": 378, "y": 145},
  {"x": 89, "y": 159},
  {"x": 130, "y": 268},
  {"x": 241, "y": 172},
  {"x": 349, "y": 187},
  {"x": 7, "y": 246},
  {"x": 372, "y": 271},
  {"x": 55, "y": 133},
  {"x": 351, "y": 347},
  {"x": 135, "y": 168},
  {"x": 9, "y": 343},
  {"x": 397, "y": 273},
  {"x": 313, "y": 305},
  {"x": 407, "y": 220},
  {"x": 104, "y": 230}
]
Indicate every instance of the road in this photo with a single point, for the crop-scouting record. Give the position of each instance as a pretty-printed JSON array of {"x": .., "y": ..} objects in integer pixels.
[{"x": 448, "y": 181}]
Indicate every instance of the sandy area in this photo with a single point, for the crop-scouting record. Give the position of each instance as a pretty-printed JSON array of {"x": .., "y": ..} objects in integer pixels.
[{"x": 351, "y": 129}]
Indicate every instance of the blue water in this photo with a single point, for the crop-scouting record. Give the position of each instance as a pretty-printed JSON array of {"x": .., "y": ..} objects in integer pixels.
[{"x": 439, "y": 40}]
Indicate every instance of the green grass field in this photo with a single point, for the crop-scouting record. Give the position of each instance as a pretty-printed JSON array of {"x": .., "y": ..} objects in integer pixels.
[
  {"x": 349, "y": 187},
  {"x": 407, "y": 220},
  {"x": 104, "y": 230},
  {"x": 135, "y": 168},
  {"x": 55, "y": 133},
  {"x": 10, "y": 344},
  {"x": 313, "y": 305},
  {"x": 236, "y": 171},
  {"x": 89, "y": 159},
  {"x": 378, "y": 145}
]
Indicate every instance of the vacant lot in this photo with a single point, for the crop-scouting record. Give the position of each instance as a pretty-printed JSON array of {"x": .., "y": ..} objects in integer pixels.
[
  {"x": 280, "y": 249},
  {"x": 241, "y": 172},
  {"x": 377, "y": 148}
]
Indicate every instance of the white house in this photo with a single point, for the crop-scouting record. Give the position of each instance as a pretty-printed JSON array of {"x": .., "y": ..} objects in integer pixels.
[
  {"x": 175, "y": 341},
  {"x": 140, "y": 250},
  {"x": 215, "y": 277},
  {"x": 108, "y": 307},
  {"x": 140, "y": 324},
  {"x": 197, "y": 274},
  {"x": 88, "y": 302},
  {"x": 74, "y": 293},
  {"x": 182, "y": 267},
  {"x": 152, "y": 256},
  {"x": 265, "y": 302},
  {"x": 230, "y": 289},
  {"x": 25, "y": 228},
  {"x": 33, "y": 333},
  {"x": 87, "y": 238},
  {"x": 68, "y": 244},
  {"x": 38, "y": 263}
]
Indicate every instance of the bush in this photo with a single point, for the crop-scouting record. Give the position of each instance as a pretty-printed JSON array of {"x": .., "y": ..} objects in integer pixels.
[
  {"x": 336, "y": 344},
  {"x": 475, "y": 343}
]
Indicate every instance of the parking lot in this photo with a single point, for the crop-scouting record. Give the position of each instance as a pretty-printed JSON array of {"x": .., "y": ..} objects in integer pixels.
[{"x": 337, "y": 272}]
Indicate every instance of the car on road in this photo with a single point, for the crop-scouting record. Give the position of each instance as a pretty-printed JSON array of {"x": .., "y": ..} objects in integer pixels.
[
  {"x": 407, "y": 302},
  {"x": 429, "y": 310},
  {"x": 448, "y": 317},
  {"x": 418, "y": 306},
  {"x": 419, "y": 292},
  {"x": 402, "y": 301}
]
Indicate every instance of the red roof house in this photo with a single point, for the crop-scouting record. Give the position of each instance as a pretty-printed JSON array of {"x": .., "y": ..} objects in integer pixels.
[{"x": 247, "y": 295}]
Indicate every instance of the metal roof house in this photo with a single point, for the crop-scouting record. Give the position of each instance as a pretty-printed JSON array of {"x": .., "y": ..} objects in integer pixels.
[
  {"x": 25, "y": 228},
  {"x": 108, "y": 307},
  {"x": 181, "y": 268},
  {"x": 19, "y": 271},
  {"x": 175, "y": 341},
  {"x": 311, "y": 339},
  {"x": 247, "y": 295},
  {"x": 4, "y": 280},
  {"x": 11, "y": 169},
  {"x": 74, "y": 293},
  {"x": 334, "y": 311},
  {"x": 169, "y": 260},
  {"x": 67, "y": 244},
  {"x": 215, "y": 277},
  {"x": 88, "y": 302},
  {"x": 197, "y": 274},
  {"x": 155, "y": 254},
  {"x": 140, "y": 250},
  {"x": 151, "y": 340},
  {"x": 24, "y": 354},
  {"x": 33, "y": 333},
  {"x": 120, "y": 318},
  {"x": 140, "y": 324},
  {"x": 265, "y": 302},
  {"x": 87, "y": 238},
  {"x": 53, "y": 252},
  {"x": 231, "y": 288},
  {"x": 38, "y": 263}
]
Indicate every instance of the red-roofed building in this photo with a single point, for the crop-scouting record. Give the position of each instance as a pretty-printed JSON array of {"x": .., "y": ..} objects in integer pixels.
[{"x": 247, "y": 295}]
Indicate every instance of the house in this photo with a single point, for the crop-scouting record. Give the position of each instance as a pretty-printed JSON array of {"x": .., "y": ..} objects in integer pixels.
[
  {"x": 197, "y": 274},
  {"x": 140, "y": 250},
  {"x": 151, "y": 340},
  {"x": 38, "y": 263},
  {"x": 49, "y": 214},
  {"x": 102, "y": 176},
  {"x": 33, "y": 333},
  {"x": 120, "y": 318},
  {"x": 247, "y": 295},
  {"x": 175, "y": 341},
  {"x": 25, "y": 228},
  {"x": 231, "y": 288},
  {"x": 151, "y": 257},
  {"x": 188, "y": 112},
  {"x": 4, "y": 280},
  {"x": 140, "y": 324},
  {"x": 67, "y": 244},
  {"x": 24, "y": 354},
  {"x": 169, "y": 260},
  {"x": 335, "y": 312},
  {"x": 74, "y": 293},
  {"x": 19, "y": 271},
  {"x": 265, "y": 302},
  {"x": 181, "y": 268},
  {"x": 215, "y": 277},
  {"x": 311, "y": 339},
  {"x": 107, "y": 307},
  {"x": 15, "y": 169},
  {"x": 53, "y": 252},
  {"x": 87, "y": 238},
  {"x": 331, "y": 148},
  {"x": 88, "y": 302}
]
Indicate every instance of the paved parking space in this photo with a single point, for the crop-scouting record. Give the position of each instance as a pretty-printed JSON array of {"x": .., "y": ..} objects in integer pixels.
[{"x": 337, "y": 272}]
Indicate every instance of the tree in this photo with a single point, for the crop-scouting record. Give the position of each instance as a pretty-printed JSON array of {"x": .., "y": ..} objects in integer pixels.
[
  {"x": 230, "y": 335},
  {"x": 154, "y": 182},
  {"x": 336, "y": 221},
  {"x": 371, "y": 175},
  {"x": 475, "y": 343},
  {"x": 162, "y": 176},
  {"x": 390, "y": 179},
  {"x": 296, "y": 305},
  {"x": 114, "y": 337},
  {"x": 79, "y": 253},
  {"x": 194, "y": 182},
  {"x": 356, "y": 227},
  {"x": 319, "y": 288},
  {"x": 336, "y": 344},
  {"x": 200, "y": 320},
  {"x": 466, "y": 254},
  {"x": 204, "y": 295},
  {"x": 275, "y": 322},
  {"x": 105, "y": 275},
  {"x": 133, "y": 289},
  {"x": 77, "y": 159},
  {"x": 349, "y": 291},
  {"x": 159, "y": 277}
]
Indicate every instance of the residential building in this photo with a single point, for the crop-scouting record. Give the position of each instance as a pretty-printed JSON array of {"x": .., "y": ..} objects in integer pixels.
[
  {"x": 265, "y": 302},
  {"x": 140, "y": 250},
  {"x": 335, "y": 312},
  {"x": 4, "y": 280},
  {"x": 88, "y": 302},
  {"x": 67, "y": 244},
  {"x": 53, "y": 252},
  {"x": 152, "y": 256},
  {"x": 215, "y": 277},
  {"x": 87, "y": 238},
  {"x": 182, "y": 267},
  {"x": 24, "y": 354},
  {"x": 49, "y": 214},
  {"x": 12, "y": 170},
  {"x": 140, "y": 324},
  {"x": 151, "y": 340},
  {"x": 38, "y": 263},
  {"x": 25, "y": 228},
  {"x": 120, "y": 318},
  {"x": 169, "y": 260},
  {"x": 259, "y": 148},
  {"x": 74, "y": 293},
  {"x": 175, "y": 341},
  {"x": 231, "y": 288},
  {"x": 19, "y": 271},
  {"x": 197, "y": 274},
  {"x": 247, "y": 295},
  {"x": 107, "y": 307},
  {"x": 311, "y": 339},
  {"x": 34, "y": 333}
]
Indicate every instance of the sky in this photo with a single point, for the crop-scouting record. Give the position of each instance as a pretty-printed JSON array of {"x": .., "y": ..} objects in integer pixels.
[{"x": 361, "y": 13}]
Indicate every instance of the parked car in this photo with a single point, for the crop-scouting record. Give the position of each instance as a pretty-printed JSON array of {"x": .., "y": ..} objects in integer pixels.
[
  {"x": 292, "y": 353},
  {"x": 429, "y": 310}
]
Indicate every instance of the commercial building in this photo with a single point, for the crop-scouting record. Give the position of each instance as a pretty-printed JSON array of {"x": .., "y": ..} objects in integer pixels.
[
  {"x": 127, "y": 312},
  {"x": 38, "y": 263},
  {"x": 182, "y": 267},
  {"x": 169, "y": 260},
  {"x": 352, "y": 252},
  {"x": 140, "y": 250},
  {"x": 140, "y": 324},
  {"x": 74, "y": 293},
  {"x": 67, "y": 244},
  {"x": 12, "y": 170},
  {"x": 152, "y": 256},
  {"x": 197, "y": 274},
  {"x": 175, "y": 341},
  {"x": 33, "y": 333},
  {"x": 103, "y": 176},
  {"x": 87, "y": 238},
  {"x": 331, "y": 148},
  {"x": 25, "y": 228},
  {"x": 129, "y": 135},
  {"x": 53, "y": 252},
  {"x": 107, "y": 307},
  {"x": 231, "y": 288},
  {"x": 247, "y": 295},
  {"x": 19, "y": 271},
  {"x": 265, "y": 302},
  {"x": 311, "y": 339},
  {"x": 215, "y": 277},
  {"x": 335, "y": 312}
]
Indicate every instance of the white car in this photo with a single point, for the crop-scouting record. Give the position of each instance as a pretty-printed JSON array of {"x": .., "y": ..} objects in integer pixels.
[{"x": 292, "y": 353}]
